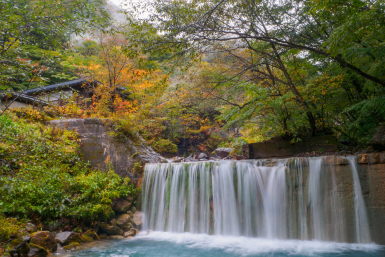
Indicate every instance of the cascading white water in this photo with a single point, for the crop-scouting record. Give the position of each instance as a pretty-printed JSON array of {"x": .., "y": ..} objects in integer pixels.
[
  {"x": 294, "y": 198},
  {"x": 362, "y": 224}
]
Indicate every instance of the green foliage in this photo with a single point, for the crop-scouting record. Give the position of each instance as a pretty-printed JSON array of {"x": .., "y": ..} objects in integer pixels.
[
  {"x": 10, "y": 227},
  {"x": 43, "y": 176},
  {"x": 164, "y": 146},
  {"x": 361, "y": 120},
  {"x": 236, "y": 144},
  {"x": 32, "y": 31}
]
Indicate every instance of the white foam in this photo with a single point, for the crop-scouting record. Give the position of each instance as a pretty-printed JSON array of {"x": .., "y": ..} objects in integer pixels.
[{"x": 247, "y": 245}]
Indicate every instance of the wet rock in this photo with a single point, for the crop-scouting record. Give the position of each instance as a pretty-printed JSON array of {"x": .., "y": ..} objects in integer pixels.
[
  {"x": 37, "y": 251},
  {"x": 23, "y": 249},
  {"x": 117, "y": 237},
  {"x": 202, "y": 156},
  {"x": 138, "y": 219},
  {"x": 363, "y": 158},
  {"x": 44, "y": 239},
  {"x": 121, "y": 206},
  {"x": 111, "y": 230},
  {"x": 65, "y": 238},
  {"x": 341, "y": 161},
  {"x": 223, "y": 152},
  {"x": 132, "y": 232}
]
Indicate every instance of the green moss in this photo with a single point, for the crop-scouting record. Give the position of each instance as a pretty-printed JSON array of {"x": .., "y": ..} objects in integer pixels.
[
  {"x": 37, "y": 246},
  {"x": 68, "y": 247},
  {"x": 87, "y": 239}
]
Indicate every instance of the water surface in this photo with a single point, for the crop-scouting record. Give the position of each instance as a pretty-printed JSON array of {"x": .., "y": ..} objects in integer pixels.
[{"x": 165, "y": 244}]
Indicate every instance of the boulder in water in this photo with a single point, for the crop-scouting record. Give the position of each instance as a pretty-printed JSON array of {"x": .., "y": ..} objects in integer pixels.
[
  {"x": 44, "y": 239},
  {"x": 65, "y": 238},
  {"x": 131, "y": 232},
  {"x": 223, "y": 152},
  {"x": 121, "y": 206}
]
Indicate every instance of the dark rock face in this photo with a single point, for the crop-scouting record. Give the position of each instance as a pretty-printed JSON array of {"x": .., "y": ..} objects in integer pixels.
[
  {"x": 100, "y": 148},
  {"x": 131, "y": 232},
  {"x": 121, "y": 206},
  {"x": 378, "y": 140},
  {"x": 65, "y": 238},
  {"x": 44, "y": 239}
]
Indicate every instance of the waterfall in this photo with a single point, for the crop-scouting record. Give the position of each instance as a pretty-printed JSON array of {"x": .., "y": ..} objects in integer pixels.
[
  {"x": 297, "y": 198},
  {"x": 362, "y": 224}
]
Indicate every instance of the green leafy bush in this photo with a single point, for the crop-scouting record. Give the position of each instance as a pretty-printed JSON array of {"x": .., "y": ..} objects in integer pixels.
[
  {"x": 164, "y": 146},
  {"x": 42, "y": 175}
]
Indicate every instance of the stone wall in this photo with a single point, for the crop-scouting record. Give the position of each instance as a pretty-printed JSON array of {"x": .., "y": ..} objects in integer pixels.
[
  {"x": 371, "y": 171},
  {"x": 101, "y": 148}
]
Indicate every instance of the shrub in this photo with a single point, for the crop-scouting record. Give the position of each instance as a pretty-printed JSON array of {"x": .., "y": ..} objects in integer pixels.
[
  {"x": 42, "y": 175},
  {"x": 164, "y": 146}
]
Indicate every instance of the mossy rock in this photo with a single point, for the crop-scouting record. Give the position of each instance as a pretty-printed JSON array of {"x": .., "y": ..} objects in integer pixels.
[
  {"x": 16, "y": 242},
  {"x": 103, "y": 236},
  {"x": 74, "y": 244},
  {"x": 65, "y": 238},
  {"x": 44, "y": 239},
  {"x": 91, "y": 233},
  {"x": 37, "y": 251},
  {"x": 87, "y": 239},
  {"x": 68, "y": 247}
]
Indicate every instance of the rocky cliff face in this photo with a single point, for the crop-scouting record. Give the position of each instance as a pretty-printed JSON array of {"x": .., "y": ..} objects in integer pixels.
[{"x": 101, "y": 148}]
